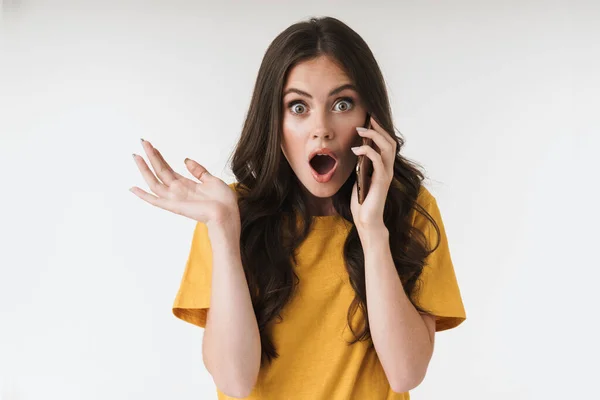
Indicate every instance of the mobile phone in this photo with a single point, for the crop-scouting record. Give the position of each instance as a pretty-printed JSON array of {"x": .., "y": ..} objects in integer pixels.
[{"x": 364, "y": 166}]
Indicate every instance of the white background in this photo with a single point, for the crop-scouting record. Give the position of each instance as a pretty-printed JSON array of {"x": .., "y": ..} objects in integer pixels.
[{"x": 498, "y": 100}]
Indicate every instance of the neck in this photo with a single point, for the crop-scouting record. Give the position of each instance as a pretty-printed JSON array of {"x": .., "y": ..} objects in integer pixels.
[{"x": 320, "y": 206}]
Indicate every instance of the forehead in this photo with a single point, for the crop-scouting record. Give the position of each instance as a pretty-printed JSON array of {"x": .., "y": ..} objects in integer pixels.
[{"x": 318, "y": 73}]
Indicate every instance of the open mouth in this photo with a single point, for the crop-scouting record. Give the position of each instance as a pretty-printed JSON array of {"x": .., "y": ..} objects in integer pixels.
[
  {"x": 323, "y": 167},
  {"x": 322, "y": 163}
]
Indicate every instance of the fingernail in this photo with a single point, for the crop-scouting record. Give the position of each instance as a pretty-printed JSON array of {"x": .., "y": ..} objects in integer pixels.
[
  {"x": 354, "y": 149},
  {"x": 186, "y": 160},
  {"x": 361, "y": 129},
  {"x": 133, "y": 155},
  {"x": 142, "y": 140}
]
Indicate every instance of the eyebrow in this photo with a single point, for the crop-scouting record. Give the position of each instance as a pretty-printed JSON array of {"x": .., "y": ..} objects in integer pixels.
[{"x": 334, "y": 91}]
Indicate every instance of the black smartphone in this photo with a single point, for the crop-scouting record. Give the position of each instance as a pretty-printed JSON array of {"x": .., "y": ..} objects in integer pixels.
[{"x": 364, "y": 166}]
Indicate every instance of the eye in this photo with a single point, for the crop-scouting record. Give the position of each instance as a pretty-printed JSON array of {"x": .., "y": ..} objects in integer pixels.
[
  {"x": 293, "y": 106},
  {"x": 346, "y": 100}
]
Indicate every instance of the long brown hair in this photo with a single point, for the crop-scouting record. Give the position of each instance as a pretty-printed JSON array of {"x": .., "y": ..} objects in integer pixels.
[{"x": 270, "y": 195}]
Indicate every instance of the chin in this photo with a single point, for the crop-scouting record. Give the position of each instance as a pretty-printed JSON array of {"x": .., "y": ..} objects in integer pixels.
[{"x": 324, "y": 190}]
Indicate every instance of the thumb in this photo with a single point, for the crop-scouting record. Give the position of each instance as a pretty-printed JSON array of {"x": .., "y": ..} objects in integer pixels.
[{"x": 197, "y": 170}]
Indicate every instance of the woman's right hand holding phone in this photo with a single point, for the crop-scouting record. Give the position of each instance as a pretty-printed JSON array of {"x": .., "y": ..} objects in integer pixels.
[{"x": 210, "y": 200}]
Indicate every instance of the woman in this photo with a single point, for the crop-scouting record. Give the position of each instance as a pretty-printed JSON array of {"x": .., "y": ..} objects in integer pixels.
[{"x": 303, "y": 292}]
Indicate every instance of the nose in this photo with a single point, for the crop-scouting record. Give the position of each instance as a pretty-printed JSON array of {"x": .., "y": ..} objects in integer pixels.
[
  {"x": 322, "y": 130},
  {"x": 323, "y": 134}
]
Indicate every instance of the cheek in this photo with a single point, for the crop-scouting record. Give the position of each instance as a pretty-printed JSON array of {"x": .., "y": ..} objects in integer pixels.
[
  {"x": 351, "y": 138},
  {"x": 292, "y": 127},
  {"x": 293, "y": 132},
  {"x": 346, "y": 131},
  {"x": 291, "y": 143}
]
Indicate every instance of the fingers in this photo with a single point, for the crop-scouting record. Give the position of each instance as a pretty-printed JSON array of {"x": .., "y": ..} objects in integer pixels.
[
  {"x": 385, "y": 143},
  {"x": 154, "y": 184},
  {"x": 189, "y": 209},
  {"x": 197, "y": 170},
  {"x": 377, "y": 128},
  {"x": 144, "y": 195},
  {"x": 162, "y": 159},
  {"x": 163, "y": 171},
  {"x": 374, "y": 156},
  {"x": 188, "y": 183},
  {"x": 166, "y": 204}
]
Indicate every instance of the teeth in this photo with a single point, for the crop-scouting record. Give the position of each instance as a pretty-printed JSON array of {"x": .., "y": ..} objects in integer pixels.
[{"x": 322, "y": 155}]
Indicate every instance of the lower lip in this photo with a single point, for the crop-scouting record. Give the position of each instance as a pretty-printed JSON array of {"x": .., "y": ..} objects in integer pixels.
[{"x": 323, "y": 178}]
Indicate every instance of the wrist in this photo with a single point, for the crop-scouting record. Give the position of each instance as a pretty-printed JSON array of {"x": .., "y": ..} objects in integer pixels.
[
  {"x": 225, "y": 220},
  {"x": 227, "y": 232},
  {"x": 373, "y": 235}
]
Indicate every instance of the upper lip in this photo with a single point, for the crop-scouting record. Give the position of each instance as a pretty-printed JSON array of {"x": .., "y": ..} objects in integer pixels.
[{"x": 322, "y": 150}]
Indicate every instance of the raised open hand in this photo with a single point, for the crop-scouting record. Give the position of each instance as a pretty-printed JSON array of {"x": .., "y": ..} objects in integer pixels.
[{"x": 209, "y": 201}]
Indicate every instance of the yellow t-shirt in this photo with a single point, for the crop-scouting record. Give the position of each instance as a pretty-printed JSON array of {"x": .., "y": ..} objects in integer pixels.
[{"x": 315, "y": 362}]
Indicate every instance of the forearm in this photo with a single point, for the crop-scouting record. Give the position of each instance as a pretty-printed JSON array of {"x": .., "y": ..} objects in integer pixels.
[
  {"x": 231, "y": 344},
  {"x": 398, "y": 331}
]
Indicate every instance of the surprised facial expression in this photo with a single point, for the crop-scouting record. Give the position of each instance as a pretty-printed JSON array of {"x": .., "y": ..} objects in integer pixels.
[{"x": 321, "y": 110}]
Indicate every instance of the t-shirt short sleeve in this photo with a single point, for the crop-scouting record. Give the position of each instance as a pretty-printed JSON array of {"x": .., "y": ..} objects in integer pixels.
[
  {"x": 437, "y": 289},
  {"x": 193, "y": 297}
]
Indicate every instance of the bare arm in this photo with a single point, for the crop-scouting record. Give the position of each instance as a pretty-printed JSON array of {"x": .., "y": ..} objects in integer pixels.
[
  {"x": 231, "y": 346},
  {"x": 403, "y": 338}
]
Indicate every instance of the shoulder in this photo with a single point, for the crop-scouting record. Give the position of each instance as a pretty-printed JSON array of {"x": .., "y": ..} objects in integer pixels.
[
  {"x": 237, "y": 187},
  {"x": 424, "y": 198},
  {"x": 425, "y": 210}
]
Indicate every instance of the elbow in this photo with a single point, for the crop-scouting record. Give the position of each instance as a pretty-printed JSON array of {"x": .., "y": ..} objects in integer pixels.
[
  {"x": 409, "y": 375},
  {"x": 407, "y": 383},
  {"x": 237, "y": 389},
  {"x": 238, "y": 384},
  {"x": 235, "y": 378},
  {"x": 237, "y": 392}
]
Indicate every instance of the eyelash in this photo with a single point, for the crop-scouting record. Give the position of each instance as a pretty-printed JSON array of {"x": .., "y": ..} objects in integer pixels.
[{"x": 293, "y": 103}]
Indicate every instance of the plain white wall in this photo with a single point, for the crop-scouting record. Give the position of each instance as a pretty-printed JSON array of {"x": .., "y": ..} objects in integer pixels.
[{"x": 495, "y": 99}]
